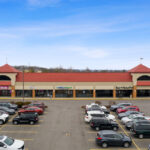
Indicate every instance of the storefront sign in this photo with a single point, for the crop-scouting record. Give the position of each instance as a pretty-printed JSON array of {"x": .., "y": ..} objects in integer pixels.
[
  {"x": 4, "y": 87},
  {"x": 62, "y": 87},
  {"x": 124, "y": 88}
]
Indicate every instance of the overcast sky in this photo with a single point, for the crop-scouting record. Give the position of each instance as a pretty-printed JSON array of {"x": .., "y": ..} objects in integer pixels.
[{"x": 98, "y": 34}]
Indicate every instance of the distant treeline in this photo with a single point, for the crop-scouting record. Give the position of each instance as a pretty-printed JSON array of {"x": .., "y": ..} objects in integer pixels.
[{"x": 60, "y": 69}]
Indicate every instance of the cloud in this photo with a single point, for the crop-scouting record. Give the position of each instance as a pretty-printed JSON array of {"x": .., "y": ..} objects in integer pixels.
[
  {"x": 42, "y": 3},
  {"x": 96, "y": 53}
]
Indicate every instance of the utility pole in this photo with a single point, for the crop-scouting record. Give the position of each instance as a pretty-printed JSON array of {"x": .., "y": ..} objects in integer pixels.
[{"x": 23, "y": 84}]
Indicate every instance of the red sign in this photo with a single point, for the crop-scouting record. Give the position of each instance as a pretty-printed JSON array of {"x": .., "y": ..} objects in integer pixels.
[{"x": 4, "y": 87}]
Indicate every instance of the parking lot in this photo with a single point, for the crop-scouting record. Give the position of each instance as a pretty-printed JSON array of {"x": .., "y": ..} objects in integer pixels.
[{"x": 62, "y": 126}]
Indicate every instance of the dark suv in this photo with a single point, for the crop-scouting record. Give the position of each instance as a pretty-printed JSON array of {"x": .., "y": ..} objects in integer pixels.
[
  {"x": 107, "y": 138},
  {"x": 103, "y": 124},
  {"x": 30, "y": 118},
  {"x": 115, "y": 107},
  {"x": 141, "y": 129},
  {"x": 8, "y": 105}
]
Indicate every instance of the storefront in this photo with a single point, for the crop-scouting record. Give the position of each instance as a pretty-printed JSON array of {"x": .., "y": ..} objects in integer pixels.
[{"x": 131, "y": 84}]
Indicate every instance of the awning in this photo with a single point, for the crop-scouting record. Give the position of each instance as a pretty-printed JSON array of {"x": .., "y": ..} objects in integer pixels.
[
  {"x": 5, "y": 83},
  {"x": 143, "y": 83}
]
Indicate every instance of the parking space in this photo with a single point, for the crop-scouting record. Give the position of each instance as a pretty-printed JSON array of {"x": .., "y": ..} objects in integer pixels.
[{"x": 62, "y": 126}]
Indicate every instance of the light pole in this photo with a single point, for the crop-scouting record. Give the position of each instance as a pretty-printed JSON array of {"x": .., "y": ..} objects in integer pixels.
[{"x": 23, "y": 84}]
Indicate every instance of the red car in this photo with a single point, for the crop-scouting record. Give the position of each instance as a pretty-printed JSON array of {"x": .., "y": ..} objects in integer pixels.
[
  {"x": 31, "y": 109},
  {"x": 36, "y": 104},
  {"x": 128, "y": 108}
]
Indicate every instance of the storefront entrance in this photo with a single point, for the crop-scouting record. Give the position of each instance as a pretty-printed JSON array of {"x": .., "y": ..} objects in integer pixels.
[
  {"x": 43, "y": 93},
  {"x": 104, "y": 93},
  {"x": 64, "y": 93},
  {"x": 84, "y": 93}
]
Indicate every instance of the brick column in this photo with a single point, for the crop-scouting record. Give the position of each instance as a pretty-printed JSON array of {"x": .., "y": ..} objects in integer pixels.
[
  {"x": 94, "y": 93},
  {"x": 74, "y": 93},
  {"x": 33, "y": 93},
  {"x": 134, "y": 91},
  {"x": 13, "y": 93},
  {"x": 53, "y": 93},
  {"x": 114, "y": 93}
]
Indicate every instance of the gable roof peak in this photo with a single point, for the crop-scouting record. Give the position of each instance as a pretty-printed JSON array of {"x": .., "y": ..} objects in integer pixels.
[
  {"x": 140, "y": 69},
  {"x": 8, "y": 69}
]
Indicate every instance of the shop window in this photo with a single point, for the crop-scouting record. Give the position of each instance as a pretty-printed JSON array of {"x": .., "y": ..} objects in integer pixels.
[
  {"x": 84, "y": 93},
  {"x": 143, "y": 93},
  {"x": 64, "y": 93},
  {"x": 104, "y": 93},
  {"x": 27, "y": 93},
  {"x": 43, "y": 93},
  {"x": 5, "y": 93}
]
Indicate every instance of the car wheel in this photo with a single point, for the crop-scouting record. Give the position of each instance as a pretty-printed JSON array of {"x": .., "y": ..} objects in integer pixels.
[
  {"x": 97, "y": 128},
  {"x": 115, "y": 128},
  {"x": 31, "y": 122},
  {"x": 1, "y": 122},
  {"x": 15, "y": 122},
  {"x": 104, "y": 145},
  {"x": 141, "y": 136},
  {"x": 126, "y": 144}
]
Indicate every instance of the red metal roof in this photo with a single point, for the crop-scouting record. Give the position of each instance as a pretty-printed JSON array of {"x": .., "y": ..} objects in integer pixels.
[
  {"x": 143, "y": 83},
  {"x": 5, "y": 83},
  {"x": 74, "y": 77},
  {"x": 8, "y": 69},
  {"x": 140, "y": 69}
]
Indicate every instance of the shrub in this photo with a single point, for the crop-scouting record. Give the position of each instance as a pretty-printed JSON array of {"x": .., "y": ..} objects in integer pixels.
[
  {"x": 83, "y": 107},
  {"x": 112, "y": 103},
  {"x": 20, "y": 104},
  {"x": 98, "y": 102}
]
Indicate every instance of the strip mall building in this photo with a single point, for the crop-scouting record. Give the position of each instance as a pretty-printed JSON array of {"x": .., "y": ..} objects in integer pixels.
[{"x": 134, "y": 83}]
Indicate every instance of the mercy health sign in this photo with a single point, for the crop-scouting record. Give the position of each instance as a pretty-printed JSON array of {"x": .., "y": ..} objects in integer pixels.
[{"x": 4, "y": 87}]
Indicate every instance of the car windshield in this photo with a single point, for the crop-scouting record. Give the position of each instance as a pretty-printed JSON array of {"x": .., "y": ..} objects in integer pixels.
[{"x": 9, "y": 141}]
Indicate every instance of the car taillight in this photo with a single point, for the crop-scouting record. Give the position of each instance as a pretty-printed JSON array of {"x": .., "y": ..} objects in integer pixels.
[{"x": 99, "y": 138}]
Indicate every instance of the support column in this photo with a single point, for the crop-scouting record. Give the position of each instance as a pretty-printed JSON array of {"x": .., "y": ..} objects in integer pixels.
[
  {"x": 74, "y": 93},
  {"x": 94, "y": 93},
  {"x": 13, "y": 93},
  {"x": 53, "y": 93},
  {"x": 134, "y": 91},
  {"x": 114, "y": 93},
  {"x": 33, "y": 93}
]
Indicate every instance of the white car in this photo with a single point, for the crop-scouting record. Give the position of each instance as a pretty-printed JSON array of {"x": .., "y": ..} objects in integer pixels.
[
  {"x": 3, "y": 118},
  {"x": 91, "y": 114},
  {"x": 7, "y": 143},
  {"x": 124, "y": 120},
  {"x": 94, "y": 104}
]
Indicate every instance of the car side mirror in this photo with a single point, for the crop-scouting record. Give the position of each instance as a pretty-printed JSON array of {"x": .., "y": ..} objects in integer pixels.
[{"x": 5, "y": 146}]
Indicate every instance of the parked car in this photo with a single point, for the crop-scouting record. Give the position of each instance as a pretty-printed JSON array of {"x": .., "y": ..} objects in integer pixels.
[
  {"x": 30, "y": 118},
  {"x": 115, "y": 107},
  {"x": 128, "y": 108},
  {"x": 95, "y": 105},
  {"x": 9, "y": 111},
  {"x": 131, "y": 117},
  {"x": 31, "y": 109},
  {"x": 107, "y": 138},
  {"x": 128, "y": 113},
  {"x": 36, "y": 104},
  {"x": 141, "y": 130},
  {"x": 94, "y": 108},
  {"x": 149, "y": 147},
  {"x": 8, "y": 105},
  {"x": 130, "y": 123},
  {"x": 3, "y": 118},
  {"x": 100, "y": 114},
  {"x": 8, "y": 143},
  {"x": 103, "y": 124}
]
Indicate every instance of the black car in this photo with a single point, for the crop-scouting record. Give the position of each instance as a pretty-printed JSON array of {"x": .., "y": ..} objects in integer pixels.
[
  {"x": 141, "y": 130},
  {"x": 107, "y": 138},
  {"x": 128, "y": 113},
  {"x": 8, "y": 110},
  {"x": 115, "y": 107},
  {"x": 30, "y": 118},
  {"x": 103, "y": 124},
  {"x": 8, "y": 105}
]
